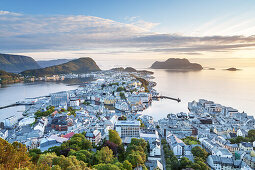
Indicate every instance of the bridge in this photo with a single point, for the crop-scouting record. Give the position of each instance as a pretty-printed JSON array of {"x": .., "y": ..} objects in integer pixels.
[{"x": 166, "y": 97}]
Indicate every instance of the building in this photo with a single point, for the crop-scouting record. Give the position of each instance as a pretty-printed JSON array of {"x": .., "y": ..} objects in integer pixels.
[
  {"x": 128, "y": 128},
  {"x": 94, "y": 137},
  {"x": 59, "y": 99},
  {"x": 10, "y": 121}
]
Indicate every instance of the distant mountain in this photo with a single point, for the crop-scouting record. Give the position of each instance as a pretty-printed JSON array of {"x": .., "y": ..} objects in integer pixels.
[
  {"x": 81, "y": 65},
  {"x": 131, "y": 69},
  {"x": 6, "y": 78},
  {"x": 48, "y": 63},
  {"x": 177, "y": 64},
  {"x": 17, "y": 63}
]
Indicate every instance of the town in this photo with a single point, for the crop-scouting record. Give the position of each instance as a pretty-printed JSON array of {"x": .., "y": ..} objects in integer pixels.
[{"x": 210, "y": 136}]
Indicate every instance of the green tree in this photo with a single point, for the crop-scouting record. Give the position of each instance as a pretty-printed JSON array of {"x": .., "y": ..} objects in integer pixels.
[
  {"x": 105, "y": 155},
  {"x": 34, "y": 154},
  {"x": 114, "y": 137},
  {"x": 135, "y": 158},
  {"x": 197, "y": 151},
  {"x": 127, "y": 165},
  {"x": 106, "y": 167},
  {"x": 251, "y": 133},
  {"x": 83, "y": 155},
  {"x": 185, "y": 163}
]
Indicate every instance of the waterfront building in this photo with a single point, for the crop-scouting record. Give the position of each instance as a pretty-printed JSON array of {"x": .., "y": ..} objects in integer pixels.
[
  {"x": 9, "y": 122},
  {"x": 59, "y": 99}
]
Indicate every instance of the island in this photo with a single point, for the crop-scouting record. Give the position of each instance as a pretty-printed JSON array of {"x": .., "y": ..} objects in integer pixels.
[
  {"x": 232, "y": 69},
  {"x": 176, "y": 64},
  {"x": 131, "y": 69}
]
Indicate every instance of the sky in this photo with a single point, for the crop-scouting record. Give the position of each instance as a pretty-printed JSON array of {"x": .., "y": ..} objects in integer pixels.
[{"x": 127, "y": 30}]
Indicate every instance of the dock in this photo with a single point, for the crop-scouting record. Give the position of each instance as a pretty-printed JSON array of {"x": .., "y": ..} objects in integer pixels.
[
  {"x": 166, "y": 97},
  {"x": 15, "y": 104}
]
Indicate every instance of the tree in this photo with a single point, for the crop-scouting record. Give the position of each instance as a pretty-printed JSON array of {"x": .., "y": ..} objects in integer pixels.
[
  {"x": 135, "y": 158},
  {"x": 114, "y": 137},
  {"x": 106, "y": 167},
  {"x": 196, "y": 166},
  {"x": 48, "y": 160},
  {"x": 127, "y": 165},
  {"x": 174, "y": 162},
  {"x": 112, "y": 146},
  {"x": 105, "y": 155},
  {"x": 185, "y": 163},
  {"x": 197, "y": 151},
  {"x": 13, "y": 155},
  {"x": 83, "y": 155},
  {"x": 251, "y": 133},
  {"x": 34, "y": 154}
]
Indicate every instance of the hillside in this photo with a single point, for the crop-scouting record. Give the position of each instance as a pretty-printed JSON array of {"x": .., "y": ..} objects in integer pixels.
[
  {"x": 176, "y": 63},
  {"x": 81, "y": 65},
  {"x": 48, "y": 63},
  {"x": 7, "y": 78},
  {"x": 17, "y": 63}
]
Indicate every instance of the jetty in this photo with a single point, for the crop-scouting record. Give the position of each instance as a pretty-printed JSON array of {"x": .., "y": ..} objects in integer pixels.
[
  {"x": 15, "y": 104},
  {"x": 166, "y": 97}
]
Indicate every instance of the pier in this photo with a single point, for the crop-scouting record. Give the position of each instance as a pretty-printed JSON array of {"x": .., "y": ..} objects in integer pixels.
[
  {"x": 15, "y": 104},
  {"x": 166, "y": 97}
]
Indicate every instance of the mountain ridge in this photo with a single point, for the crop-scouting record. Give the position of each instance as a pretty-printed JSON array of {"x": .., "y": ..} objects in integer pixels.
[
  {"x": 17, "y": 63},
  {"x": 81, "y": 65}
]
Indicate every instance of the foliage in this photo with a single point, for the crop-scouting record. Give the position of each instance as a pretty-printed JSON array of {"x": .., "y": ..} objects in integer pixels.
[
  {"x": 112, "y": 146},
  {"x": 127, "y": 165},
  {"x": 114, "y": 137},
  {"x": 122, "y": 95},
  {"x": 185, "y": 162},
  {"x": 51, "y": 160},
  {"x": 251, "y": 134},
  {"x": 249, "y": 138},
  {"x": 48, "y": 112},
  {"x": 199, "y": 152},
  {"x": 105, "y": 155},
  {"x": 83, "y": 155},
  {"x": 34, "y": 154},
  {"x": 136, "y": 152},
  {"x": 77, "y": 142},
  {"x": 190, "y": 140},
  {"x": 86, "y": 103},
  {"x": 122, "y": 118},
  {"x": 120, "y": 89},
  {"x": 106, "y": 167},
  {"x": 13, "y": 155}
]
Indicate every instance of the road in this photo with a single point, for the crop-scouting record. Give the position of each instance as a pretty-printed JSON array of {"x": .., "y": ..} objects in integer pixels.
[{"x": 162, "y": 154}]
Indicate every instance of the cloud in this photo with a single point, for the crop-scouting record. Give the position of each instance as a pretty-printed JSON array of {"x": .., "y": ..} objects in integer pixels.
[
  {"x": 9, "y": 13},
  {"x": 28, "y": 33}
]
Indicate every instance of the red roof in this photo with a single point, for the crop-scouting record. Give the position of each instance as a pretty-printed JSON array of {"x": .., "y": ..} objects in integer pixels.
[{"x": 69, "y": 135}]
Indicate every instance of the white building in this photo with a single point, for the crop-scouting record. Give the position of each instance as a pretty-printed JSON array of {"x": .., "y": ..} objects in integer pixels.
[
  {"x": 26, "y": 121},
  {"x": 10, "y": 121},
  {"x": 94, "y": 137},
  {"x": 74, "y": 102},
  {"x": 128, "y": 128}
]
